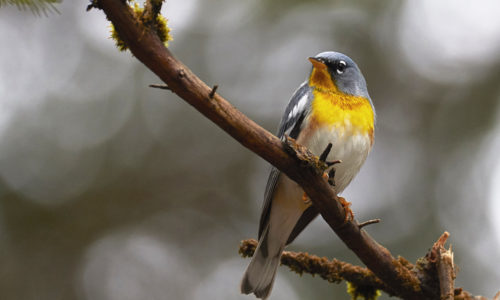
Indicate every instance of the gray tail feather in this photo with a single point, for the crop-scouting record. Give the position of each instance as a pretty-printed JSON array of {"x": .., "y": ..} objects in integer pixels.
[{"x": 260, "y": 274}]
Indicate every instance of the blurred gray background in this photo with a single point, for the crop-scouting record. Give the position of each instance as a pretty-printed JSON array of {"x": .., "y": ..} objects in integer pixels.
[{"x": 113, "y": 190}]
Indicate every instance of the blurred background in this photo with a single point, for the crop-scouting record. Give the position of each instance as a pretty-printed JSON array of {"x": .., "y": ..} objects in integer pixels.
[{"x": 113, "y": 190}]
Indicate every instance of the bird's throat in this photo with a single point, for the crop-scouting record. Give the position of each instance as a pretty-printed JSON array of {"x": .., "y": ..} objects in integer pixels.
[{"x": 345, "y": 112}]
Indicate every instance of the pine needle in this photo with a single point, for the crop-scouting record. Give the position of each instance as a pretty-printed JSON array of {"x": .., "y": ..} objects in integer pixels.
[{"x": 36, "y": 6}]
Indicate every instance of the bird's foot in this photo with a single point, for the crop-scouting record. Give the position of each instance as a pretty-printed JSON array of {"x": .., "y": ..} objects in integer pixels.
[
  {"x": 330, "y": 176},
  {"x": 349, "y": 215}
]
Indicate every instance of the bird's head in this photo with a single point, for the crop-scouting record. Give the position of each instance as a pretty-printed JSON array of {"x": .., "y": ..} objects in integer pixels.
[{"x": 336, "y": 72}]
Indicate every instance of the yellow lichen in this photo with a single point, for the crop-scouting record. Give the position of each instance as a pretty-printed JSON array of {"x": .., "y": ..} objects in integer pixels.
[
  {"x": 363, "y": 292},
  {"x": 162, "y": 30},
  {"x": 158, "y": 25},
  {"x": 120, "y": 44}
]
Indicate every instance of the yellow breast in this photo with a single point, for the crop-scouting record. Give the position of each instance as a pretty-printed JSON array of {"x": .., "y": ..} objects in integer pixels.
[{"x": 335, "y": 109}]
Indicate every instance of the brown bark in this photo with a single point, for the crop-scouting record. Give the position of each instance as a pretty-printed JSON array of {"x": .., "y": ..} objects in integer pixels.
[
  {"x": 294, "y": 160},
  {"x": 334, "y": 270}
]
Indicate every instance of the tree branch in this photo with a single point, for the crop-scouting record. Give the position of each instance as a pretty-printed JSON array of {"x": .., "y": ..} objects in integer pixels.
[
  {"x": 331, "y": 270},
  {"x": 299, "y": 166},
  {"x": 445, "y": 268},
  {"x": 292, "y": 159}
]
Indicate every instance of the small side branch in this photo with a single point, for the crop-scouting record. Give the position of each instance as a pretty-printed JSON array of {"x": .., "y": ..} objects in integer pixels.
[
  {"x": 334, "y": 270},
  {"x": 212, "y": 92},
  {"x": 160, "y": 86},
  {"x": 445, "y": 268},
  {"x": 460, "y": 294},
  {"x": 369, "y": 222},
  {"x": 293, "y": 160},
  {"x": 152, "y": 9}
]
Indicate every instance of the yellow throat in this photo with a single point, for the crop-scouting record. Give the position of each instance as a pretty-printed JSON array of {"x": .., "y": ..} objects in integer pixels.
[{"x": 331, "y": 107}]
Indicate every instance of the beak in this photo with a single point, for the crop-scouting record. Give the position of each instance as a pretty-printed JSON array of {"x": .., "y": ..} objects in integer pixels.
[{"x": 317, "y": 63}]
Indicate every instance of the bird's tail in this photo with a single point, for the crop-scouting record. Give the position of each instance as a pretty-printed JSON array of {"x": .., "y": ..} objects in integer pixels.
[{"x": 259, "y": 276}]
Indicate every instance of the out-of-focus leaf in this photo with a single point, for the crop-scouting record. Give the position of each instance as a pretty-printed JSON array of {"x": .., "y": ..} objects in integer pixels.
[{"x": 36, "y": 6}]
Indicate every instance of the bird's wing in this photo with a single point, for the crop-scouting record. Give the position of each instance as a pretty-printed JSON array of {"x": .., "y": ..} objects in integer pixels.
[{"x": 295, "y": 112}]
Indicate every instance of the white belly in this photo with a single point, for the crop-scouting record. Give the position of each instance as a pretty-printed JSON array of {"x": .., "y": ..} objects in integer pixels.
[
  {"x": 288, "y": 204},
  {"x": 349, "y": 147}
]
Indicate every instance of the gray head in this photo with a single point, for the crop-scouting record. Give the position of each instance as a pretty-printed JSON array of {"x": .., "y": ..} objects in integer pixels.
[{"x": 343, "y": 72}]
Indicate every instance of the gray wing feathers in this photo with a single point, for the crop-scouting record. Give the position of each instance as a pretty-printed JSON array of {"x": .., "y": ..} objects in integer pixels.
[
  {"x": 260, "y": 274},
  {"x": 307, "y": 216},
  {"x": 295, "y": 110},
  {"x": 268, "y": 194},
  {"x": 290, "y": 124}
]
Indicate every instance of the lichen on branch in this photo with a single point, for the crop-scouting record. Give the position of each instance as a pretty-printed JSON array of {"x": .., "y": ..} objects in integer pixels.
[
  {"x": 149, "y": 15},
  {"x": 363, "y": 283},
  {"x": 407, "y": 282}
]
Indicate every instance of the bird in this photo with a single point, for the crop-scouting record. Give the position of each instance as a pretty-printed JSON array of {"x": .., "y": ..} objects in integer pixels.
[{"x": 331, "y": 107}]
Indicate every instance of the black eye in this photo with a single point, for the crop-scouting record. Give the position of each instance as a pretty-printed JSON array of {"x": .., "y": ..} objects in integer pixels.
[{"x": 341, "y": 66}]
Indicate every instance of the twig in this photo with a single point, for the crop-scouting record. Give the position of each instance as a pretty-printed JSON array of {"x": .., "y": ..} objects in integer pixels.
[
  {"x": 331, "y": 270},
  {"x": 445, "y": 268},
  {"x": 460, "y": 294},
  {"x": 333, "y": 162},
  {"x": 212, "y": 92},
  {"x": 497, "y": 296},
  {"x": 437, "y": 271},
  {"x": 299, "y": 166},
  {"x": 325, "y": 153},
  {"x": 160, "y": 86},
  {"x": 151, "y": 10},
  {"x": 293, "y": 160},
  {"x": 369, "y": 222}
]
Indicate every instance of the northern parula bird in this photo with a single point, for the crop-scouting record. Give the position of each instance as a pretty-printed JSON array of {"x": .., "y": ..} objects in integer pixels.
[{"x": 331, "y": 106}]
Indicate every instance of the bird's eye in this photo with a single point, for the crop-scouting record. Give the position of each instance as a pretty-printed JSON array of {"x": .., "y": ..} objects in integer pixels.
[{"x": 341, "y": 66}]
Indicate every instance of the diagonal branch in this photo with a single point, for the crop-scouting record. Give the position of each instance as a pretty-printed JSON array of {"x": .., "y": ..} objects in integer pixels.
[
  {"x": 293, "y": 160},
  {"x": 290, "y": 158}
]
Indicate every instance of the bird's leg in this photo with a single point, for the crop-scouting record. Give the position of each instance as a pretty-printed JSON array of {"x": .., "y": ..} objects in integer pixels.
[
  {"x": 330, "y": 176},
  {"x": 325, "y": 153}
]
